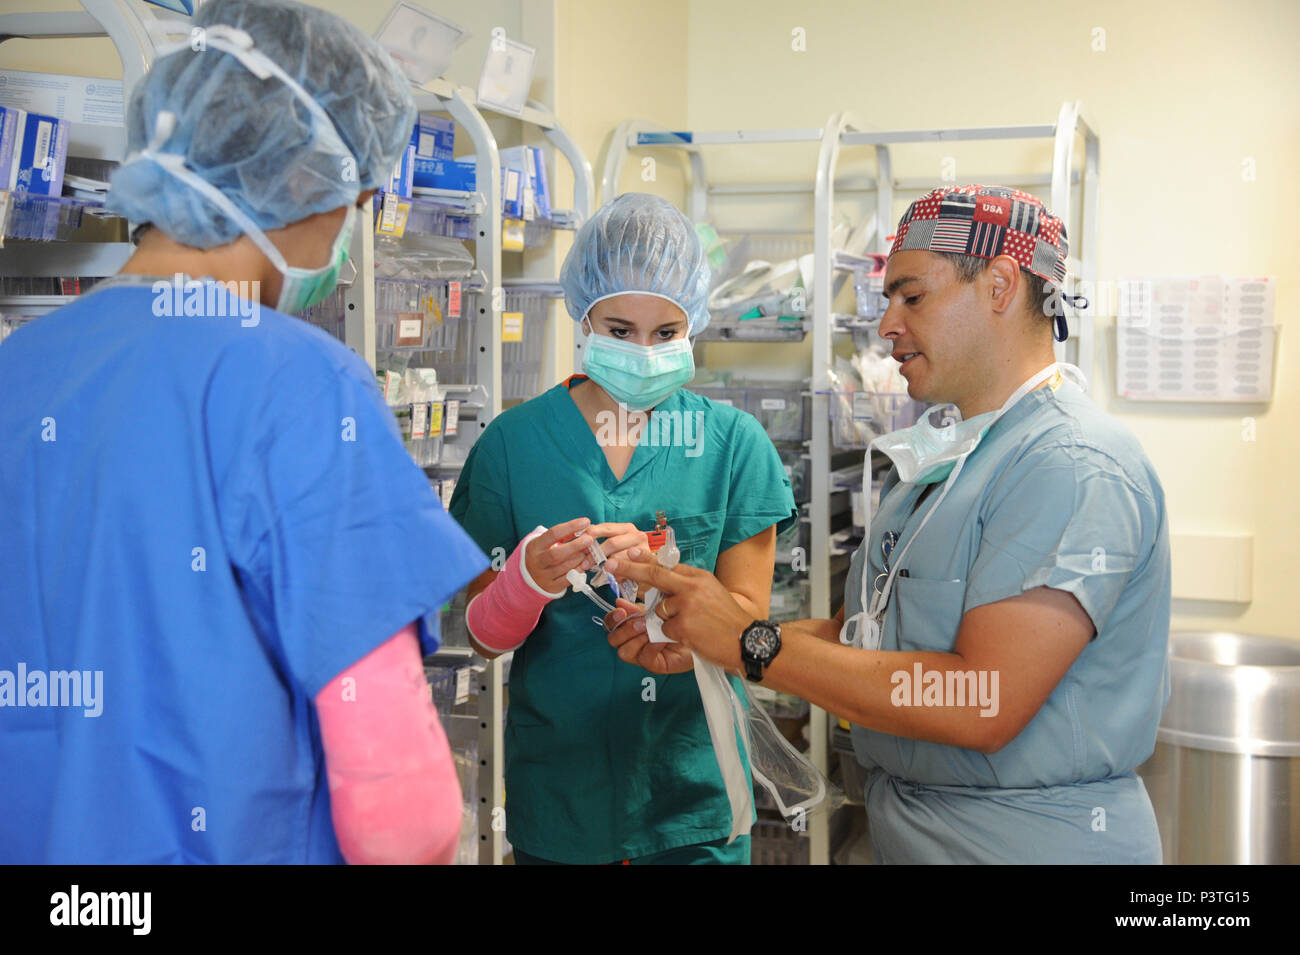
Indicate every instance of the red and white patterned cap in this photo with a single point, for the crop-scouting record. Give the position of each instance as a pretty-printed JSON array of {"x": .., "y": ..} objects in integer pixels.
[{"x": 987, "y": 221}]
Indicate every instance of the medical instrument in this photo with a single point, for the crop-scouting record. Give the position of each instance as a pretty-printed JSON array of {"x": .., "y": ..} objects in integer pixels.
[{"x": 601, "y": 578}]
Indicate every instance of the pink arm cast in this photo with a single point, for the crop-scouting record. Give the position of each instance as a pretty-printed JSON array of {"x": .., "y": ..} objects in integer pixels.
[
  {"x": 502, "y": 616},
  {"x": 394, "y": 795}
]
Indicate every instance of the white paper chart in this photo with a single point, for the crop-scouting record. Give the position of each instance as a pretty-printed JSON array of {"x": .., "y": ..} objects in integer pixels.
[{"x": 1196, "y": 338}]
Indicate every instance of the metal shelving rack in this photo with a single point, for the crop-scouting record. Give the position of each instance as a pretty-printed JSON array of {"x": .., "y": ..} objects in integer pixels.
[
  {"x": 1074, "y": 197},
  {"x": 484, "y": 205}
]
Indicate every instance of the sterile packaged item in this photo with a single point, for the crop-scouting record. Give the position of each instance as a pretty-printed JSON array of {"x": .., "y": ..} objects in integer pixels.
[
  {"x": 420, "y": 42},
  {"x": 43, "y": 148},
  {"x": 714, "y": 247},
  {"x": 458, "y": 174},
  {"x": 462, "y": 175},
  {"x": 762, "y": 288},
  {"x": 434, "y": 136},
  {"x": 416, "y": 256},
  {"x": 11, "y": 122},
  {"x": 541, "y": 183},
  {"x": 517, "y": 164},
  {"x": 868, "y": 398}
]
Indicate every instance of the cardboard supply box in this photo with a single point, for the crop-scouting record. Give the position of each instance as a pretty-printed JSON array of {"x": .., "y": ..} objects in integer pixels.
[
  {"x": 434, "y": 137},
  {"x": 11, "y": 121},
  {"x": 462, "y": 175},
  {"x": 33, "y": 152}
]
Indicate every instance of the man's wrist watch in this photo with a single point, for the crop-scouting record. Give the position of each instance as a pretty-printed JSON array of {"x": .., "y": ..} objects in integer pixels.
[{"x": 760, "y": 642}]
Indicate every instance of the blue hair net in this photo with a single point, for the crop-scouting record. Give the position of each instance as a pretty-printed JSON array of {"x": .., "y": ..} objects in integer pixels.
[
  {"x": 255, "y": 139},
  {"x": 638, "y": 243}
]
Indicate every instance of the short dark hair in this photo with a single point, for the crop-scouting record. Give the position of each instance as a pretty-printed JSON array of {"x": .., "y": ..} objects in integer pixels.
[{"x": 1042, "y": 298}]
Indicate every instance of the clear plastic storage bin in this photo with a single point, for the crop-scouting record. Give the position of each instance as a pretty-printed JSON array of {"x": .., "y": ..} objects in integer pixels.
[
  {"x": 789, "y": 598},
  {"x": 413, "y": 315},
  {"x": 721, "y": 393},
  {"x": 46, "y": 218},
  {"x": 775, "y": 843},
  {"x": 330, "y": 314},
  {"x": 859, "y": 417},
  {"x": 521, "y": 361},
  {"x": 779, "y": 407}
]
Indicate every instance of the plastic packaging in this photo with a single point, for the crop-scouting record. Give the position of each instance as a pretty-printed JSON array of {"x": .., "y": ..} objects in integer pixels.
[
  {"x": 797, "y": 786},
  {"x": 421, "y": 257}
]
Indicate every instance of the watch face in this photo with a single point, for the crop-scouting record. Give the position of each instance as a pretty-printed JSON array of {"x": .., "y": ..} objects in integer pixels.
[{"x": 761, "y": 642}]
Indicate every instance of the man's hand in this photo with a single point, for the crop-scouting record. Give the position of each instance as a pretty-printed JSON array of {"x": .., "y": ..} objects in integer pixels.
[
  {"x": 697, "y": 610},
  {"x": 634, "y": 646}
]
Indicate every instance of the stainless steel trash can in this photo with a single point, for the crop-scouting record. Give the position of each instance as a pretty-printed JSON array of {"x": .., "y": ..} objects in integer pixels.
[{"x": 1225, "y": 774}]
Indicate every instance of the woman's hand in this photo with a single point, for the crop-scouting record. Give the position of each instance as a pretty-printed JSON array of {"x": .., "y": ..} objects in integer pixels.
[
  {"x": 551, "y": 555},
  {"x": 617, "y": 539},
  {"x": 634, "y": 646}
]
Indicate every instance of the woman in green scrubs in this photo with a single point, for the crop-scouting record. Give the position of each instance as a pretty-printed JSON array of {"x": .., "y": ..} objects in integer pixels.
[{"x": 606, "y": 763}]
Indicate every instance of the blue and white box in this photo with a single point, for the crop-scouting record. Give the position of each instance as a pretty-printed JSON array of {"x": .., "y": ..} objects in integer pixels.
[
  {"x": 400, "y": 182},
  {"x": 11, "y": 123},
  {"x": 434, "y": 136},
  {"x": 459, "y": 174},
  {"x": 542, "y": 186},
  {"x": 517, "y": 165},
  {"x": 44, "y": 153},
  {"x": 462, "y": 175}
]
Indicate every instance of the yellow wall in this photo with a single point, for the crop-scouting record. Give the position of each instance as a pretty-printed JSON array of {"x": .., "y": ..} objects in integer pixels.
[
  {"x": 1181, "y": 94},
  {"x": 618, "y": 60}
]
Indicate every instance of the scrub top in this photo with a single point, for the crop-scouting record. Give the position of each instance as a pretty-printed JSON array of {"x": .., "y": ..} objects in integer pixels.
[
  {"x": 208, "y": 522},
  {"x": 1058, "y": 494},
  {"x": 604, "y": 760}
]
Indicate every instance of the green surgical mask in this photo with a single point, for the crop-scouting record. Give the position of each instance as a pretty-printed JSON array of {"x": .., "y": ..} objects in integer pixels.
[
  {"x": 302, "y": 288},
  {"x": 638, "y": 376}
]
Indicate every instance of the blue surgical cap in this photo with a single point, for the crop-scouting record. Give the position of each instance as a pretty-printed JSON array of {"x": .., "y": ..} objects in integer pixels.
[
  {"x": 255, "y": 139},
  {"x": 638, "y": 243}
]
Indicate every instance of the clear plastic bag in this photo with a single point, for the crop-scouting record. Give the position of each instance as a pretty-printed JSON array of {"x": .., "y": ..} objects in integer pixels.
[
  {"x": 798, "y": 787},
  {"x": 420, "y": 256}
]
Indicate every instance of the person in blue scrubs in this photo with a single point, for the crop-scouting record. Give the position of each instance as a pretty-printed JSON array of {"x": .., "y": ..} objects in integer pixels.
[
  {"x": 208, "y": 512},
  {"x": 605, "y": 764},
  {"x": 1009, "y": 607}
]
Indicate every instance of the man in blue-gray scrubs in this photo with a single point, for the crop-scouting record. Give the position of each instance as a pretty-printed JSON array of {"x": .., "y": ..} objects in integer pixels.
[{"x": 1008, "y": 611}]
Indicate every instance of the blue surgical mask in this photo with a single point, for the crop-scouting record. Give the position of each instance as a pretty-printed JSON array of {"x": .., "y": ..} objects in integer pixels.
[{"x": 638, "y": 376}]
